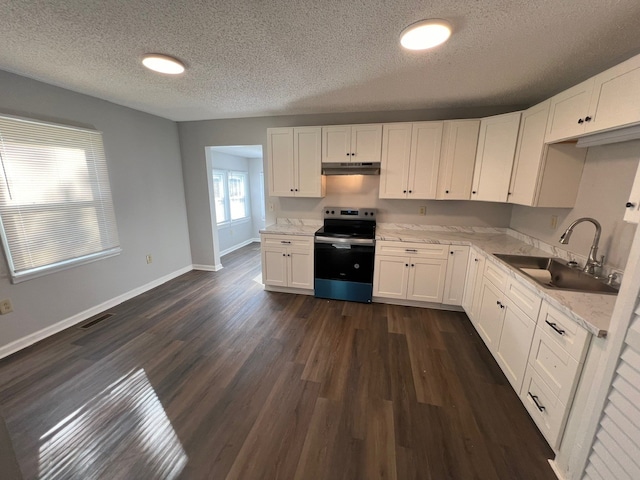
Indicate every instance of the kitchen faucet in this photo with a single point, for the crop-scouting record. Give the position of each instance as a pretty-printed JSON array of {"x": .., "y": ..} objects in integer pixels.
[{"x": 592, "y": 262}]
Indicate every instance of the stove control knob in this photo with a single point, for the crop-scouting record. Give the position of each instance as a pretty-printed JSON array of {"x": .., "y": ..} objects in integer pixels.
[
  {"x": 327, "y": 211},
  {"x": 332, "y": 212},
  {"x": 356, "y": 266},
  {"x": 366, "y": 213}
]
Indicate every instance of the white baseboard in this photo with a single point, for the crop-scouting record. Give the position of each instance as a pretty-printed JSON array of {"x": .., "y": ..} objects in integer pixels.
[
  {"x": 24, "y": 342},
  {"x": 239, "y": 245},
  {"x": 208, "y": 268}
]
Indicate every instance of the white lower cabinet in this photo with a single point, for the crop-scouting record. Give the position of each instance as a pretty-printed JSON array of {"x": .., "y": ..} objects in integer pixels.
[
  {"x": 287, "y": 261},
  {"x": 473, "y": 288},
  {"x": 408, "y": 271},
  {"x": 455, "y": 279},
  {"x": 506, "y": 321},
  {"x": 554, "y": 367}
]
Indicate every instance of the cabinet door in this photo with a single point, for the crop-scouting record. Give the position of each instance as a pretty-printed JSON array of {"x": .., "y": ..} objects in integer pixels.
[
  {"x": 454, "y": 283},
  {"x": 490, "y": 316},
  {"x": 615, "y": 100},
  {"x": 366, "y": 143},
  {"x": 390, "y": 276},
  {"x": 494, "y": 158},
  {"x": 476, "y": 299},
  {"x": 426, "y": 279},
  {"x": 426, "y": 142},
  {"x": 632, "y": 213},
  {"x": 528, "y": 158},
  {"x": 300, "y": 265},
  {"x": 567, "y": 112},
  {"x": 336, "y": 144},
  {"x": 396, "y": 152},
  {"x": 457, "y": 159},
  {"x": 472, "y": 270},
  {"x": 514, "y": 344},
  {"x": 280, "y": 162},
  {"x": 274, "y": 266},
  {"x": 307, "y": 151}
]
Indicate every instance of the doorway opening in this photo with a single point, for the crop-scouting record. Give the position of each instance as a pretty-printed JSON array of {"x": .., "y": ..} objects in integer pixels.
[{"x": 236, "y": 197}]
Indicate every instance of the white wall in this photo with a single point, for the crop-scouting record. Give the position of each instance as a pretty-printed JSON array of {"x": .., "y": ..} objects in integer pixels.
[
  {"x": 604, "y": 189},
  {"x": 257, "y": 212},
  {"x": 195, "y": 137},
  {"x": 143, "y": 159}
]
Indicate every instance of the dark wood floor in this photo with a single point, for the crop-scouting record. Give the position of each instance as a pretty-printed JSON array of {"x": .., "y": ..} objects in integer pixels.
[{"x": 210, "y": 377}]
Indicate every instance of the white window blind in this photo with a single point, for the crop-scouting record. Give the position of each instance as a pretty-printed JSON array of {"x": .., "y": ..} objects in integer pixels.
[{"x": 55, "y": 200}]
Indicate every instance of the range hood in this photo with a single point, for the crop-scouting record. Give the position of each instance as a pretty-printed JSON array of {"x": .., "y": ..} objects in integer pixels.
[{"x": 353, "y": 168}]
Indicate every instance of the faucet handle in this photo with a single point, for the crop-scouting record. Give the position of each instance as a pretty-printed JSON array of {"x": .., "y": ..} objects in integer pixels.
[{"x": 601, "y": 262}]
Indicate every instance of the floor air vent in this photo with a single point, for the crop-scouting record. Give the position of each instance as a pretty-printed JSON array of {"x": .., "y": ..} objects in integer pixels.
[{"x": 96, "y": 320}]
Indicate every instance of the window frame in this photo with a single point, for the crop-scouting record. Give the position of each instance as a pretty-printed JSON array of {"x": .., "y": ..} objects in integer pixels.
[
  {"x": 19, "y": 138},
  {"x": 225, "y": 173}
]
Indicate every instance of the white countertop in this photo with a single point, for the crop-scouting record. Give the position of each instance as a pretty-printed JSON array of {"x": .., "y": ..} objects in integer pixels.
[{"x": 590, "y": 310}]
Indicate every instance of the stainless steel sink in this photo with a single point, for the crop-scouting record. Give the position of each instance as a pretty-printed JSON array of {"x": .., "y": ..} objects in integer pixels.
[{"x": 555, "y": 273}]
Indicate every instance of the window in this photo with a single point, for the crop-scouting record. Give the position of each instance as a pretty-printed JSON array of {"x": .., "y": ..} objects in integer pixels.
[
  {"x": 231, "y": 194},
  {"x": 55, "y": 200}
]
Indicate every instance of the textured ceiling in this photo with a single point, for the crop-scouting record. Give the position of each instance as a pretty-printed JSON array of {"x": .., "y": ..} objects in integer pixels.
[{"x": 254, "y": 58}]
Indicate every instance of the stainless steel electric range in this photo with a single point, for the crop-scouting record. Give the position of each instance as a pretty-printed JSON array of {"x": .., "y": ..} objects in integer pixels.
[{"x": 344, "y": 253}]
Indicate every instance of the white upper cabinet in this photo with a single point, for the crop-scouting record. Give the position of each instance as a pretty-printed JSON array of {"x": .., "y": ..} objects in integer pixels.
[
  {"x": 294, "y": 162},
  {"x": 458, "y": 156},
  {"x": 607, "y": 101},
  {"x": 280, "y": 162},
  {"x": 544, "y": 175},
  {"x": 494, "y": 158},
  {"x": 568, "y": 112},
  {"x": 615, "y": 100},
  {"x": 410, "y": 159},
  {"x": 351, "y": 143}
]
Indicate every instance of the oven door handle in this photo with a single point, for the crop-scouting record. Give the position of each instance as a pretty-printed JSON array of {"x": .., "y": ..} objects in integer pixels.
[{"x": 347, "y": 241}]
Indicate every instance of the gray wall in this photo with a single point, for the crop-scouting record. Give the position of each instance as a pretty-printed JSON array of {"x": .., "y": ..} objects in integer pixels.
[
  {"x": 144, "y": 164},
  {"x": 255, "y": 169},
  {"x": 604, "y": 189},
  {"x": 196, "y": 136}
]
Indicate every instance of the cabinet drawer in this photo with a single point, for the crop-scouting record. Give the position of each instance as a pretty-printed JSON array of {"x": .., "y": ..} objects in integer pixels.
[
  {"x": 420, "y": 250},
  {"x": 549, "y": 413},
  {"x": 554, "y": 365},
  {"x": 567, "y": 334},
  {"x": 287, "y": 241},
  {"x": 496, "y": 275},
  {"x": 523, "y": 297}
]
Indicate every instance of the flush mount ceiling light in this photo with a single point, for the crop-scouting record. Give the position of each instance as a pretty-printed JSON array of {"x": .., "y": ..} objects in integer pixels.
[
  {"x": 425, "y": 34},
  {"x": 163, "y": 64}
]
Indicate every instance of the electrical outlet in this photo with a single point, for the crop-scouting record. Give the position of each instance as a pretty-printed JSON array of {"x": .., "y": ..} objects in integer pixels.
[
  {"x": 423, "y": 210},
  {"x": 554, "y": 221},
  {"x": 149, "y": 259},
  {"x": 5, "y": 307},
  {"x": 270, "y": 207}
]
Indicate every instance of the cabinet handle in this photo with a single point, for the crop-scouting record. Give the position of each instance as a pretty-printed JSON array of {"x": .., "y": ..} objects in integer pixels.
[
  {"x": 559, "y": 331},
  {"x": 535, "y": 400},
  {"x": 630, "y": 205},
  {"x": 587, "y": 119},
  {"x": 411, "y": 250},
  {"x": 500, "y": 303},
  {"x": 580, "y": 121},
  {"x": 286, "y": 242}
]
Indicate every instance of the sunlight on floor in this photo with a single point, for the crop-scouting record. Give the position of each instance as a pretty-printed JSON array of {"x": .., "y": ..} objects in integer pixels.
[{"x": 123, "y": 432}]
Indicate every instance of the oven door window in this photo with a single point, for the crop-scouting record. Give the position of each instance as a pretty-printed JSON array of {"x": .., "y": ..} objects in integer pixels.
[{"x": 353, "y": 263}]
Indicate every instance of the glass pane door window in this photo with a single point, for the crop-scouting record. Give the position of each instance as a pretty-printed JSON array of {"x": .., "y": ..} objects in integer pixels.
[{"x": 231, "y": 196}]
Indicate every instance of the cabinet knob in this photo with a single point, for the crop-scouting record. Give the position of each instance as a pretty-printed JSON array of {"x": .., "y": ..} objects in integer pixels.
[
  {"x": 630, "y": 205},
  {"x": 296, "y": 189},
  {"x": 587, "y": 119},
  {"x": 348, "y": 154},
  {"x": 412, "y": 265},
  {"x": 580, "y": 121},
  {"x": 284, "y": 254},
  {"x": 410, "y": 191},
  {"x": 292, "y": 189},
  {"x": 446, "y": 191},
  {"x": 404, "y": 191},
  {"x": 451, "y": 253},
  {"x": 475, "y": 260},
  {"x": 474, "y": 192},
  {"x": 406, "y": 264}
]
